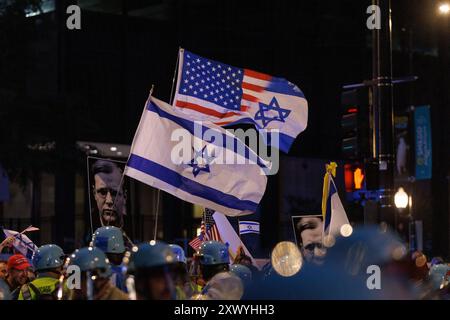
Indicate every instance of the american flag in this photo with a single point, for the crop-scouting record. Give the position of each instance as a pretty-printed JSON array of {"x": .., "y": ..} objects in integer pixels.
[
  {"x": 223, "y": 94},
  {"x": 212, "y": 233},
  {"x": 208, "y": 230}
]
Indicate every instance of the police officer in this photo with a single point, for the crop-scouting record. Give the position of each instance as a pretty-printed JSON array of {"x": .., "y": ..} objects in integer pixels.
[
  {"x": 243, "y": 272},
  {"x": 95, "y": 273},
  {"x": 110, "y": 240},
  {"x": 150, "y": 265},
  {"x": 213, "y": 258},
  {"x": 221, "y": 284},
  {"x": 48, "y": 262},
  {"x": 185, "y": 288}
]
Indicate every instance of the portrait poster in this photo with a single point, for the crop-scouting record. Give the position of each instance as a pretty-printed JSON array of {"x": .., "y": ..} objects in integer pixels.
[
  {"x": 108, "y": 194},
  {"x": 308, "y": 232}
]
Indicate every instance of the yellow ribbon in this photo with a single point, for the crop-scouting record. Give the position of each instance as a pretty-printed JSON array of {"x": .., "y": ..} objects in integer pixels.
[{"x": 330, "y": 169}]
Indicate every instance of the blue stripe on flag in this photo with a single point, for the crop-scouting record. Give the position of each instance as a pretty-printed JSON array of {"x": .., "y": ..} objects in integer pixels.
[
  {"x": 285, "y": 142},
  {"x": 249, "y": 231},
  {"x": 280, "y": 85},
  {"x": 194, "y": 188},
  {"x": 249, "y": 222},
  {"x": 189, "y": 125}
]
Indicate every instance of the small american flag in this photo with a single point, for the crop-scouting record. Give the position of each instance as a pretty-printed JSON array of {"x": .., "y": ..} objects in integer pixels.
[
  {"x": 214, "y": 91},
  {"x": 208, "y": 231},
  {"x": 196, "y": 242},
  {"x": 212, "y": 233}
]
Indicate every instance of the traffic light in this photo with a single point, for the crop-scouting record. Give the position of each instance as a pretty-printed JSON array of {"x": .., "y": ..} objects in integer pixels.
[
  {"x": 355, "y": 123},
  {"x": 354, "y": 177}
]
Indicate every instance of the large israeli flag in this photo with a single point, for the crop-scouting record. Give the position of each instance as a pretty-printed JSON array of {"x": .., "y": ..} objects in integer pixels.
[{"x": 198, "y": 162}]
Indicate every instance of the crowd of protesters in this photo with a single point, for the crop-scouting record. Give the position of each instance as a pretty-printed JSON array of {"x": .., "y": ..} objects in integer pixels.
[{"x": 111, "y": 268}]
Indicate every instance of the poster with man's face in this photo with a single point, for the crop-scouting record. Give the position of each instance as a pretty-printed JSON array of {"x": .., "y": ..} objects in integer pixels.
[
  {"x": 107, "y": 192},
  {"x": 308, "y": 231}
]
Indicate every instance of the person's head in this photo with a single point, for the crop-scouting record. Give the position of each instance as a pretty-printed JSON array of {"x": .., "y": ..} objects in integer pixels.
[
  {"x": 152, "y": 264},
  {"x": 179, "y": 267},
  {"x": 31, "y": 274},
  {"x": 242, "y": 258},
  {"x": 436, "y": 260},
  {"x": 3, "y": 269},
  {"x": 49, "y": 258},
  {"x": 310, "y": 231},
  {"x": 214, "y": 258},
  {"x": 17, "y": 270},
  {"x": 110, "y": 240},
  {"x": 109, "y": 195},
  {"x": 95, "y": 270},
  {"x": 243, "y": 272},
  {"x": 5, "y": 293}
]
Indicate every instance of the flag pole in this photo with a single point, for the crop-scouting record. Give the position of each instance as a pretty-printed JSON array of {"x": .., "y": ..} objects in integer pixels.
[
  {"x": 330, "y": 171},
  {"x": 158, "y": 194},
  {"x": 89, "y": 194},
  {"x": 134, "y": 138},
  {"x": 172, "y": 93},
  {"x": 324, "y": 198}
]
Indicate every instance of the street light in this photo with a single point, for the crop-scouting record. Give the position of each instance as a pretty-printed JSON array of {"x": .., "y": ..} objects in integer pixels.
[
  {"x": 401, "y": 199},
  {"x": 444, "y": 8}
]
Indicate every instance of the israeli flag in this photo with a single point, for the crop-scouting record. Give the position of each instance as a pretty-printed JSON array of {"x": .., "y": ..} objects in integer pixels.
[
  {"x": 21, "y": 242},
  {"x": 197, "y": 162},
  {"x": 248, "y": 227}
]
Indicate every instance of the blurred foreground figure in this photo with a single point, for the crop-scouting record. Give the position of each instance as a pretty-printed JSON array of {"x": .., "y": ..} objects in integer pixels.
[
  {"x": 222, "y": 286},
  {"x": 3, "y": 269},
  {"x": 440, "y": 281},
  {"x": 4, "y": 291},
  {"x": 110, "y": 241},
  {"x": 48, "y": 263},
  {"x": 150, "y": 266},
  {"x": 214, "y": 259},
  {"x": 361, "y": 266},
  {"x": 95, "y": 272},
  {"x": 244, "y": 273}
]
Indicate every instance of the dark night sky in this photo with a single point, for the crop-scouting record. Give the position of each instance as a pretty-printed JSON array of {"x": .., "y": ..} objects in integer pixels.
[{"x": 109, "y": 65}]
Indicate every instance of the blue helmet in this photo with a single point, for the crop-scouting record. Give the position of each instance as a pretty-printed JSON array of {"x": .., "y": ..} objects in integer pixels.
[
  {"x": 179, "y": 253},
  {"x": 242, "y": 272},
  {"x": 438, "y": 274},
  {"x": 90, "y": 259},
  {"x": 48, "y": 256},
  {"x": 109, "y": 239},
  {"x": 212, "y": 253},
  {"x": 152, "y": 254}
]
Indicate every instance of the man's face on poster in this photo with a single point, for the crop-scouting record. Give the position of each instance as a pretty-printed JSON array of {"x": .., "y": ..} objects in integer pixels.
[
  {"x": 310, "y": 232},
  {"x": 111, "y": 201}
]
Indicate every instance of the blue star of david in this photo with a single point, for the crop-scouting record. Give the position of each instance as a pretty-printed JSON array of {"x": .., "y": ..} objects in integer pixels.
[
  {"x": 262, "y": 113},
  {"x": 196, "y": 168}
]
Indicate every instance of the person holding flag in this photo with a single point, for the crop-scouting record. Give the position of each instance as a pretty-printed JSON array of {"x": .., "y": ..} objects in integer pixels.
[{"x": 19, "y": 241}]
